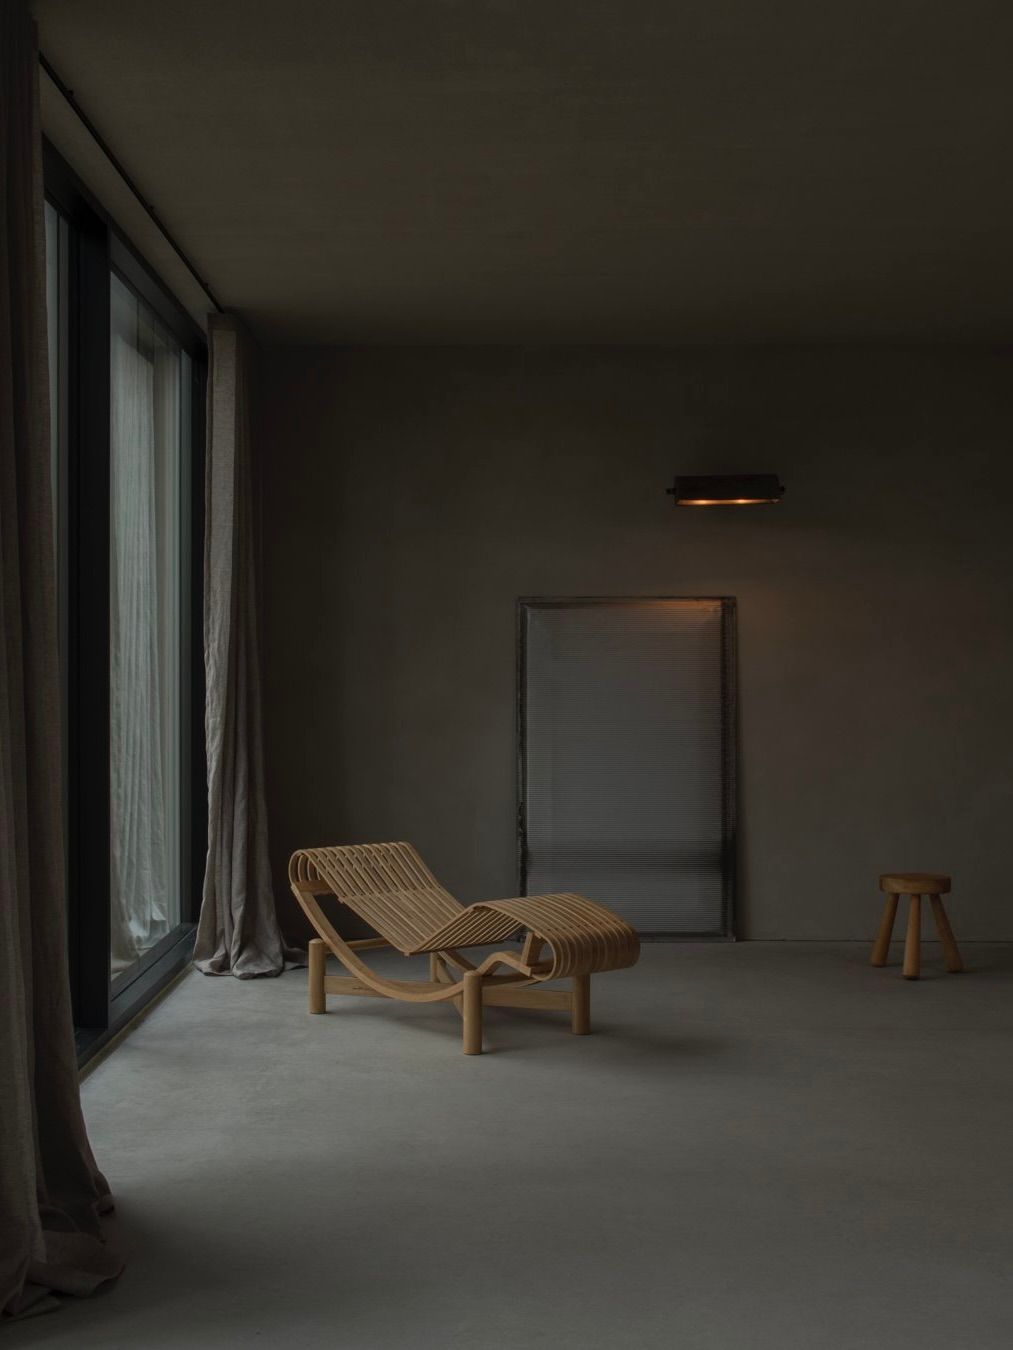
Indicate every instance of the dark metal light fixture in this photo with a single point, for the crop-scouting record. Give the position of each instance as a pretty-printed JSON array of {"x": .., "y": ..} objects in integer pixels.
[{"x": 727, "y": 489}]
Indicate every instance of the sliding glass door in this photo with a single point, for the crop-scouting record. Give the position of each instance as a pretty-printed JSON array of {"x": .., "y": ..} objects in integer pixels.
[{"x": 127, "y": 368}]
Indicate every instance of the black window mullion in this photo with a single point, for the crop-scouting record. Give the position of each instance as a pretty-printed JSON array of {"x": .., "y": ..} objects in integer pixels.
[
  {"x": 88, "y": 649},
  {"x": 196, "y": 817}
]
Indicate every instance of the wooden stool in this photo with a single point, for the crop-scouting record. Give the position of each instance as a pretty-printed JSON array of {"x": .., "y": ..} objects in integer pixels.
[{"x": 915, "y": 885}]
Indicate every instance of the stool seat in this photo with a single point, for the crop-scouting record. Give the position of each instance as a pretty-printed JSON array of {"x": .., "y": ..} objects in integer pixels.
[{"x": 915, "y": 883}]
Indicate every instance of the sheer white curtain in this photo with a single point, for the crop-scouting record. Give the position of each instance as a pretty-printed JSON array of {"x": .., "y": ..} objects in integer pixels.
[{"x": 144, "y": 626}]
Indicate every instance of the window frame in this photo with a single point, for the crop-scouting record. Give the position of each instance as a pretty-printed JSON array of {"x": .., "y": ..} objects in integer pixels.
[{"x": 97, "y": 248}]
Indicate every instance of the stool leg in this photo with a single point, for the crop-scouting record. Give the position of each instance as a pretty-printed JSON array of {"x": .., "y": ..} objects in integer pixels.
[
  {"x": 953, "y": 962},
  {"x": 913, "y": 945},
  {"x": 472, "y": 1012},
  {"x": 881, "y": 947},
  {"x": 318, "y": 966},
  {"x": 580, "y": 1005}
]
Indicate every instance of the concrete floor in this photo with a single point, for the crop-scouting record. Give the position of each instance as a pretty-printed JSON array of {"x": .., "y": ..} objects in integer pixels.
[{"x": 763, "y": 1146}]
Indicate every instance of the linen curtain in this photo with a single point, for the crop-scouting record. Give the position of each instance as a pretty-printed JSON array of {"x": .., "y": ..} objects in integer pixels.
[
  {"x": 238, "y": 930},
  {"x": 51, "y": 1191}
]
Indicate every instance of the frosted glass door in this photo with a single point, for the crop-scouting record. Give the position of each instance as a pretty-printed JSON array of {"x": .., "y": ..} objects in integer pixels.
[{"x": 627, "y": 758}]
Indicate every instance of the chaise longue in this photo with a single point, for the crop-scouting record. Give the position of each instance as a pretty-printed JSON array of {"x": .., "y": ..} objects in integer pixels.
[{"x": 390, "y": 887}]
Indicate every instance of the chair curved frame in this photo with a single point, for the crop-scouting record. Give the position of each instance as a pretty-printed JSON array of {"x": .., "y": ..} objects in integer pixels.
[{"x": 390, "y": 887}]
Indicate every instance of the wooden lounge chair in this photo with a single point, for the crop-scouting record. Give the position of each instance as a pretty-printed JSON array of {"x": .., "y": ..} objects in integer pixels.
[{"x": 390, "y": 887}]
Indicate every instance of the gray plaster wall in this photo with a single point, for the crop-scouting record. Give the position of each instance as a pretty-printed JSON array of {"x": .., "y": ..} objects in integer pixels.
[{"x": 410, "y": 496}]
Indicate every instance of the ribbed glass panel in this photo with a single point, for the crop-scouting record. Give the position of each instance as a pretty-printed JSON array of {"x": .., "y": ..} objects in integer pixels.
[{"x": 624, "y": 754}]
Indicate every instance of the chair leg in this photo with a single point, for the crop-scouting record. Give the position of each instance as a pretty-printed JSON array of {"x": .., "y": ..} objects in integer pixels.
[
  {"x": 881, "y": 947},
  {"x": 580, "y": 1005},
  {"x": 913, "y": 945},
  {"x": 318, "y": 963},
  {"x": 953, "y": 962},
  {"x": 472, "y": 1012}
]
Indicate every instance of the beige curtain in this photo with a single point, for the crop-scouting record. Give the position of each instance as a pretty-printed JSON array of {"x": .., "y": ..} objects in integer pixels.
[
  {"x": 51, "y": 1192},
  {"x": 238, "y": 931}
]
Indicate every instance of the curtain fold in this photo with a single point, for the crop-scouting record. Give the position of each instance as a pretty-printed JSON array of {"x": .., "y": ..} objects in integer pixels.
[
  {"x": 51, "y": 1191},
  {"x": 238, "y": 931}
]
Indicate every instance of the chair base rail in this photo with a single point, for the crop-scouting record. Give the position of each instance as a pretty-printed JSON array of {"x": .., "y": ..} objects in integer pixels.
[
  {"x": 559, "y": 1000},
  {"x": 469, "y": 994}
]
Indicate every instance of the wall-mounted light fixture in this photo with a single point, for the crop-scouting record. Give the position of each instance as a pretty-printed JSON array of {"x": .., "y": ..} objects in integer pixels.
[{"x": 727, "y": 489}]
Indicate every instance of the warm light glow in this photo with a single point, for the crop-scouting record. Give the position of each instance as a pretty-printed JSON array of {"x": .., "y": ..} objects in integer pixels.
[
  {"x": 720, "y": 489},
  {"x": 726, "y": 501}
]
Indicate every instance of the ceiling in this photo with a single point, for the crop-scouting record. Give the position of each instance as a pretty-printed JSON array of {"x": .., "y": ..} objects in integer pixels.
[{"x": 619, "y": 171}]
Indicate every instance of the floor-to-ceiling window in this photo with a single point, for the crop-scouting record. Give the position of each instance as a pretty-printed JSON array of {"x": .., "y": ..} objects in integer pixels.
[{"x": 127, "y": 377}]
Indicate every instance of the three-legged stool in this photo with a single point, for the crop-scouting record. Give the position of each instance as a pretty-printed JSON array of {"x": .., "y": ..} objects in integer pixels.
[{"x": 915, "y": 885}]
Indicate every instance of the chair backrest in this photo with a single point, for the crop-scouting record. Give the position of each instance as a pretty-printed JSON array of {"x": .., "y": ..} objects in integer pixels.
[{"x": 387, "y": 885}]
